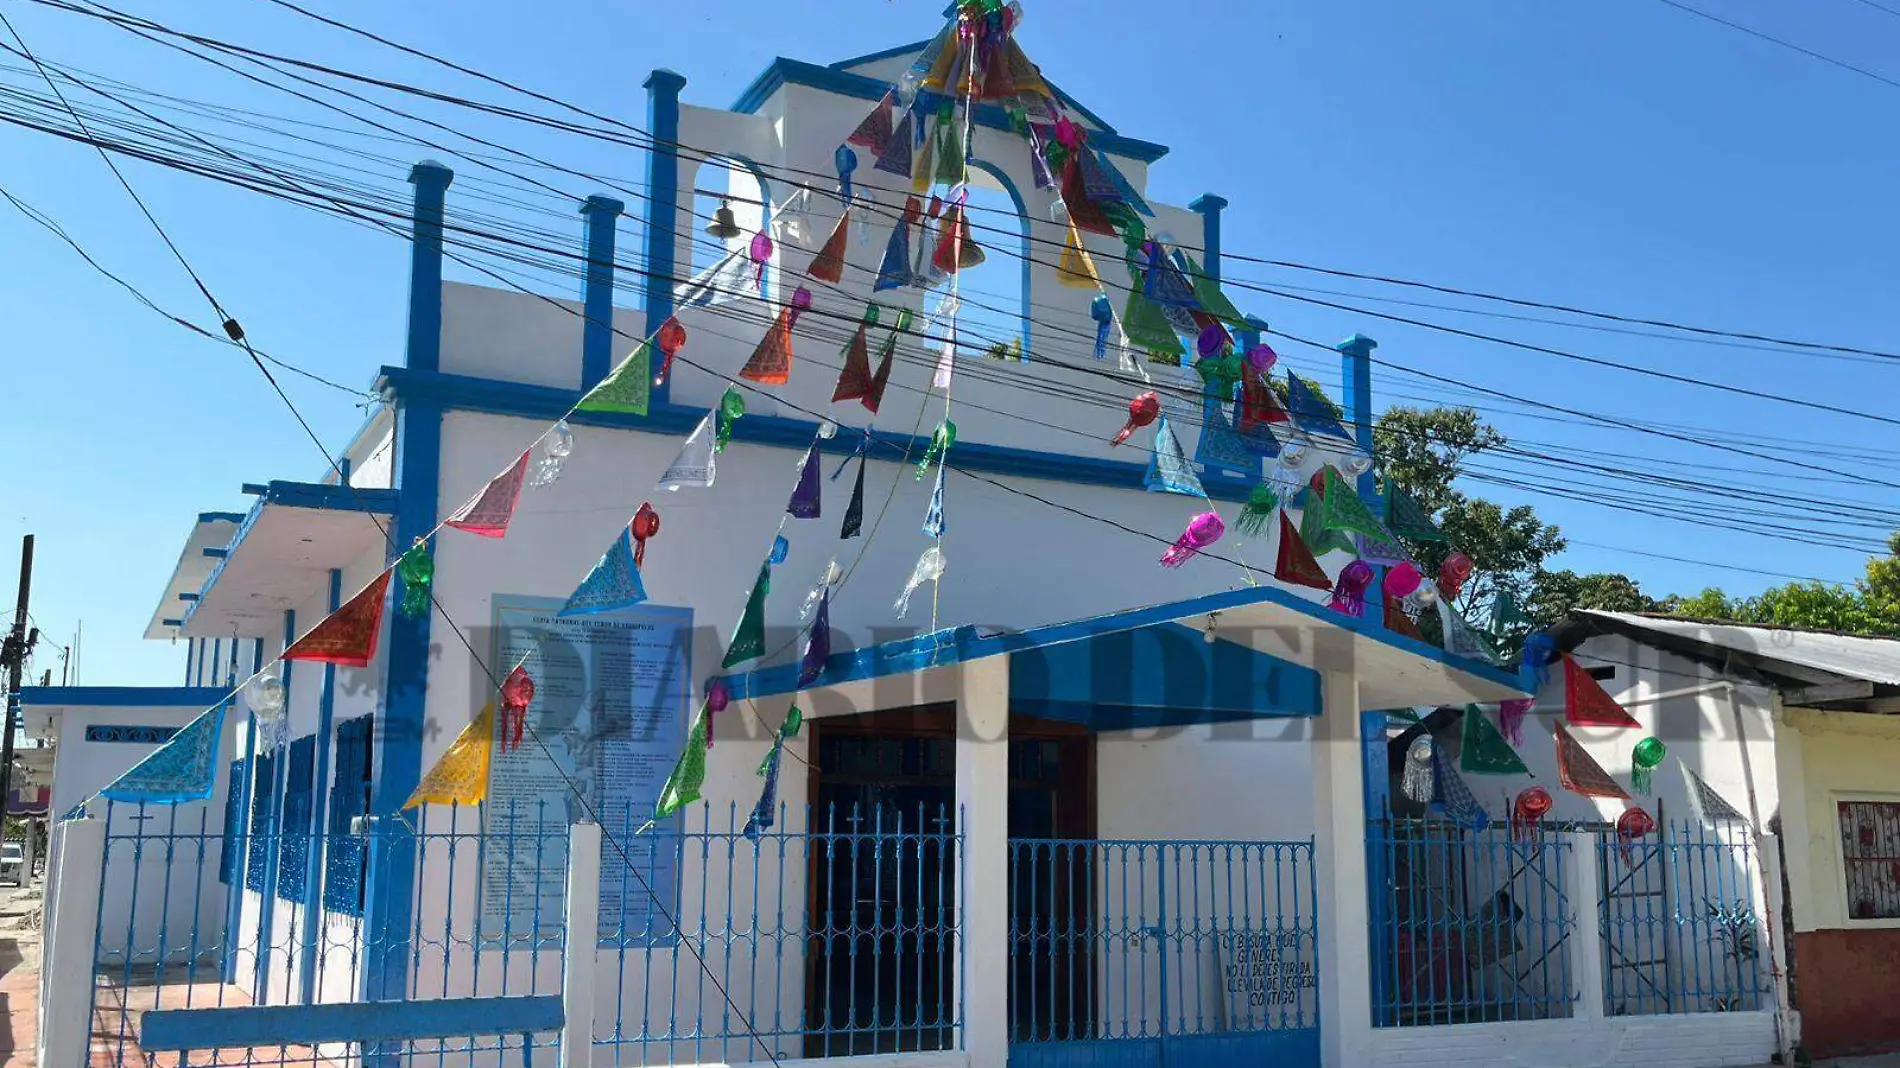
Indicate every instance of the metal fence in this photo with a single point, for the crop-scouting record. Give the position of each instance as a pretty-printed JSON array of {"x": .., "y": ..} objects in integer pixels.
[
  {"x": 1680, "y": 928},
  {"x": 1138, "y": 951},
  {"x": 1468, "y": 926},
  {"x": 191, "y": 917},
  {"x": 833, "y": 933}
]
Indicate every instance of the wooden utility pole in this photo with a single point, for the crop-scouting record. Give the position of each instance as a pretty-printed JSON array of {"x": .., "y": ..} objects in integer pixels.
[{"x": 13, "y": 652}]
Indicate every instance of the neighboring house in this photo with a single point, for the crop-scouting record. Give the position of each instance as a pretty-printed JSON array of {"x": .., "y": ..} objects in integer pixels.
[{"x": 1822, "y": 716}]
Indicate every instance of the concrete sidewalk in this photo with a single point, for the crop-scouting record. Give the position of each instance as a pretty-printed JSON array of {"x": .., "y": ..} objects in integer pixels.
[{"x": 19, "y": 977}]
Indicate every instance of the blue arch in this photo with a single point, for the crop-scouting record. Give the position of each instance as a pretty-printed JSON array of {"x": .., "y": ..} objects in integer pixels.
[{"x": 1022, "y": 214}]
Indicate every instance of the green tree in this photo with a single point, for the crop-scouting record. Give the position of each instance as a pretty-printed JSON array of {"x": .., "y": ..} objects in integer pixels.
[
  {"x": 1425, "y": 450},
  {"x": 1870, "y": 606}
]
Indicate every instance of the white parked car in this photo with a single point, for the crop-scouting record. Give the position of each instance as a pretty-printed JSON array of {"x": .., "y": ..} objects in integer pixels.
[{"x": 13, "y": 863}]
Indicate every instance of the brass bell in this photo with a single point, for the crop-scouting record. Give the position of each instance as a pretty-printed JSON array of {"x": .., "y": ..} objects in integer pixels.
[{"x": 723, "y": 225}]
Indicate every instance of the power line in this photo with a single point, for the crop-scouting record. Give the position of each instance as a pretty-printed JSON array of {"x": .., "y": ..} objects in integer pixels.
[{"x": 1789, "y": 45}]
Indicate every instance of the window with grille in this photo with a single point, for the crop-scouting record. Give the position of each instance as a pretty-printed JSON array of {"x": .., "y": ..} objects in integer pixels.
[
  {"x": 233, "y": 821},
  {"x": 294, "y": 833},
  {"x": 1870, "y": 851},
  {"x": 349, "y": 798}
]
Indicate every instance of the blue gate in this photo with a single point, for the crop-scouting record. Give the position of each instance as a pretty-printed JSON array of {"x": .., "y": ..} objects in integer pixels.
[{"x": 1163, "y": 954}]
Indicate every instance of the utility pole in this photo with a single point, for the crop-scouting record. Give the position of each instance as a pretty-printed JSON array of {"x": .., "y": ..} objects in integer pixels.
[{"x": 13, "y": 654}]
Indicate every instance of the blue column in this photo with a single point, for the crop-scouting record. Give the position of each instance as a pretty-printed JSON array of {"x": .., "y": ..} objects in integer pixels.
[
  {"x": 389, "y": 884},
  {"x": 257, "y": 655},
  {"x": 597, "y": 290},
  {"x": 1355, "y": 371},
  {"x": 191, "y": 658},
  {"x": 319, "y": 816},
  {"x": 274, "y": 826},
  {"x": 431, "y": 180},
  {"x": 217, "y": 660},
  {"x": 663, "y": 202},
  {"x": 1208, "y": 206}
]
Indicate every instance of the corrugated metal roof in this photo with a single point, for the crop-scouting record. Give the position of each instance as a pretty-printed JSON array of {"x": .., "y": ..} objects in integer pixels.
[{"x": 1876, "y": 660}]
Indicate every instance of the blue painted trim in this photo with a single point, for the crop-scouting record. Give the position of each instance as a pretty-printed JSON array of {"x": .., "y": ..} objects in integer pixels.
[
  {"x": 187, "y": 596},
  {"x": 1355, "y": 374},
  {"x": 273, "y": 824},
  {"x": 217, "y": 658},
  {"x": 597, "y": 288},
  {"x": 220, "y": 517},
  {"x": 784, "y": 72},
  {"x": 1375, "y": 788},
  {"x": 663, "y": 204},
  {"x": 1209, "y": 206},
  {"x": 885, "y": 53},
  {"x": 253, "y": 489},
  {"x": 191, "y": 655},
  {"x": 177, "y": 1030},
  {"x": 171, "y": 622},
  {"x": 1026, "y": 259},
  {"x": 549, "y": 403},
  {"x": 129, "y": 733},
  {"x": 1166, "y": 667},
  {"x": 216, "y": 554},
  {"x": 330, "y": 497},
  {"x": 431, "y": 179},
  {"x": 961, "y": 644},
  {"x": 1110, "y": 717},
  {"x": 314, "y": 862}
]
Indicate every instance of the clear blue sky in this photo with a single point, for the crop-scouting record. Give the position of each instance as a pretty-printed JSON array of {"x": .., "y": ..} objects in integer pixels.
[{"x": 1620, "y": 155}]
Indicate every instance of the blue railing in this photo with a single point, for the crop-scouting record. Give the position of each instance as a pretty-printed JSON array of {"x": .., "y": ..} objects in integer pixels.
[
  {"x": 834, "y": 933},
  {"x": 1680, "y": 930},
  {"x": 165, "y": 940},
  {"x": 1205, "y": 952},
  {"x": 1468, "y": 926}
]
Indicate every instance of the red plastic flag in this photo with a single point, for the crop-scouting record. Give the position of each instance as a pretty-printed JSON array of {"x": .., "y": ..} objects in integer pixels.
[
  {"x": 348, "y": 637},
  {"x": 1295, "y": 563},
  {"x": 488, "y": 512},
  {"x": 1585, "y": 702},
  {"x": 828, "y": 265},
  {"x": 1580, "y": 773}
]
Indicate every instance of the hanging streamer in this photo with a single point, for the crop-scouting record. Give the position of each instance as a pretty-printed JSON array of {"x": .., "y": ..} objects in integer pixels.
[
  {"x": 1141, "y": 411},
  {"x": 1644, "y": 760},
  {"x": 1262, "y": 503},
  {"x": 929, "y": 568},
  {"x": 556, "y": 446},
  {"x": 1632, "y": 825},
  {"x": 1349, "y": 593},
  {"x": 1202, "y": 531},
  {"x": 646, "y": 524},
  {"x": 1527, "y": 812},
  {"x": 416, "y": 570},
  {"x": 1415, "y": 781},
  {"x": 1104, "y": 315},
  {"x": 1511, "y": 713},
  {"x": 731, "y": 410},
  {"x": 517, "y": 694}
]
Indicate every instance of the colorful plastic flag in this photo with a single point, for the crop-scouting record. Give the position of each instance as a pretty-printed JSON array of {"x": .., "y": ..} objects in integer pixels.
[
  {"x": 933, "y": 516},
  {"x": 1262, "y": 503},
  {"x": 828, "y": 265},
  {"x": 817, "y": 643},
  {"x": 765, "y": 812},
  {"x": 1405, "y": 517},
  {"x": 415, "y": 569},
  {"x": 689, "y": 773},
  {"x": 806, "y": 502},
  {"x": 1142, "y": 410},
  {"x": 1585, "y": 702},
  {"x": 1344, "y": 509},
  {"x": 875, "y": 395},
  {"x": 1458, "y": 637},
  {"x": 183, "y": 769},
  {"x": 489, "y": 512},
  {"x": 460, "y": 774},
  {"x": 1311, "y": 410},
  {"x": 1705, "y": 804},
  {"x": 929, "y": 568},
  {"x": 1162, "y": 282},
  {"x": 1511, "y": 713},
  {"x": 1207, "y": 294},
  {"x": 1147, "y": 328},
  {"x": 348, "y": 637},
  {"x": 628, "y": 390},
  {"x": 1349, "y": 590},
  {"x": 1461, "y": 805},
  {"x": 1096, "y": 184},
  {"x": 1398, "y": 622},
  {"x": 875, "y": 131},
  {"x": 1579, "y": 772},
  {"x": 854, "y": 379},
  {"x": 894, "y": 272},
  {"x": 731, "y": 410},
  {"x": 1220, "y": 448},
  {"x": 1644, "y": 760},
  {"x": 854, "y": 512},
  {"x": 1633, "y": 824},
  {"x": 614, "y": 582},
  {"x": 771, "y": 362},
  {"x": 695, "y": 466},
  {"x": 1125, "y": 192},
  {"x": 895, "y": 158},
  {"x": 1295, "y": 563},
  {"x": 1484, "y": 751},
  {"x": 1416, "y": 780},
  {"x": 1318, "y": 536},
  {"x": 1075, "y": 269},
  {"x": 748, "y": 638},
  {"x": 1168, "y": 468}
]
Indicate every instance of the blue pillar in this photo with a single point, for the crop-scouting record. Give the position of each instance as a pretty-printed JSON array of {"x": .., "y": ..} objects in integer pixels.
[
  {"x": 389, "y": 884},
  {"x": 1208, "y": 206},
  {"x": 191, "y": 658},
  {"x": 217, "y": 660},
  {"x": 431, "y": 180},
  {"x": 1355, "y": 371},
  {"x": 319, "y": 816},
  {"x": 663, "y": 202},
  {"x": 257, "y": 655},
  {"x": 597, "y": 290},
  {"x": 274, "y": 827}
]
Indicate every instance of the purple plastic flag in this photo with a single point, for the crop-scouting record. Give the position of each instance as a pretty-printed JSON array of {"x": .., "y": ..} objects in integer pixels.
[
  {"x": 805, "y": 498},
  {"x": 817, "y": 643}
]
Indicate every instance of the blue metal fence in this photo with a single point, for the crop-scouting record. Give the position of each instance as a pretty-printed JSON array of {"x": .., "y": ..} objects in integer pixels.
[
  {"x": 1468, "y": 926},
  {"x": 165, "y": 939},
  {"x": 1154, "y": 952},
  {"x": 833, "y": 933},
  {"x": 1680, "y": 929}
]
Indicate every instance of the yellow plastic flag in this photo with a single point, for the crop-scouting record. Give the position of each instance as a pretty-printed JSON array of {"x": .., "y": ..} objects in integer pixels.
[
  {"x": 1075, "y": 269},
  {"x": 461, "y": 776}
]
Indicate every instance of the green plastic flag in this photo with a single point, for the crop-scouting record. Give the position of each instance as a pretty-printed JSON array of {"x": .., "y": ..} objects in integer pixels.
[
  {"x": 1346, "y": 511},
  {"x": 628, "y": 389},
  {"x": 1408, "y": 518},
  {"x": 1208, "y": 295},
  {"x": 1147, "y": 327},
  {"x": 1320, "y": 537},
  {"x": 682, "y": 787},
  {"x": 1484, "y": 750},
  {"x": 748, "y": 638}
]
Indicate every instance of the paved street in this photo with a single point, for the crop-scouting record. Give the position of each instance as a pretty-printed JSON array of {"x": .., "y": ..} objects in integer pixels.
[{"x": 19, "y": 976}]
